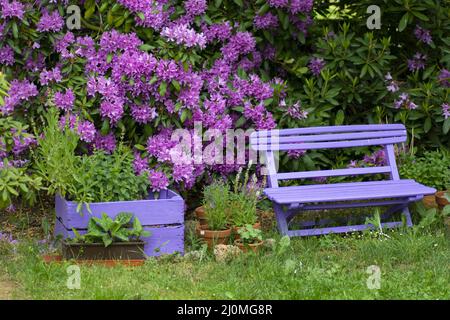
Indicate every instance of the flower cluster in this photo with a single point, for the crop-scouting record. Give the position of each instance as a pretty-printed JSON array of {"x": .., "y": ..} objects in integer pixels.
[
  {"x": 13, "y": 9},
  {"x": 65, "y": 100},
  {"x": 183, "y": 35},
  {"x": 444, "y": 78},
  {"x": 6, "y": 55},
  {"x": 50, "y": 22},
  {"x": 316, "y": 65},
  {"x": 266, "y": 21},
  {"x": 417, "y": 62},
  {"x": 423, "y": 35},
  {"x": 405, "y": 102},
  {"x": 446, "y": 110},
  {"x": 19, "y": 92},
  {"x": 392, "y": 85}
]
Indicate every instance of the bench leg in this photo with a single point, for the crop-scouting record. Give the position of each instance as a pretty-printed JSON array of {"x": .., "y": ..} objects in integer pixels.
[
  {"x": 407, "y": 215},
  {"x": 282, "y": 218}
]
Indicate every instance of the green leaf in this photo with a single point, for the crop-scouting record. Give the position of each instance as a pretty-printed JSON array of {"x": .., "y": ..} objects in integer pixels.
[
  {"x": 340, "y": 116},
  {"x": 427, "y": 124},
  {"x": 239, "y": 3},
  {"x": 163, "y": 88},
  {"x": 403, "y": 22},
  {"x": 446, "y": 126}
]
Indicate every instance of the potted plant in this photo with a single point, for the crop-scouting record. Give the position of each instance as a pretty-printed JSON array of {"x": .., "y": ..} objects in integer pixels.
[
  {"x": 87, "y": 185},
  {"x": 108, "y": 239},
  {"x": 443, "y": 198},
  {"x": 250, "y": 238},
  {"x": 215, "y": 203},
  {"x": 243, "y": 201},
  {"x": 431, "y": 169}
]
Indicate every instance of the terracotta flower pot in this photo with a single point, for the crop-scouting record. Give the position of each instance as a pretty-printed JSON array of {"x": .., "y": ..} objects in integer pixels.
[
  {"x": 201, "y": 216},
  {"x": 246, "y": 247},
  {"x": 213, "y": 237},
  {"x": 257, "y": 225},
  {"x": 97, "y": 251},
  {"x": 429, "y": 201},
  {"x": 441, "y": 199}
]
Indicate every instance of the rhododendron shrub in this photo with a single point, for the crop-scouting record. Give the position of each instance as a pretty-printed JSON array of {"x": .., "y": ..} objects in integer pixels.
[{"x": 138, "y": 70}]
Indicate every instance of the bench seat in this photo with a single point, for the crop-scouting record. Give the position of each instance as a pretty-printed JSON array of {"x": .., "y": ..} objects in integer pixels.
[
  {"x": 347, "y": 191},
  {"x": 394, "y": 193}
]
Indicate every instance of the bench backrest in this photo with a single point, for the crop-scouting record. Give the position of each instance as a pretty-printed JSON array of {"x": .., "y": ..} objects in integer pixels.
[{"x": 336, "y": 137}]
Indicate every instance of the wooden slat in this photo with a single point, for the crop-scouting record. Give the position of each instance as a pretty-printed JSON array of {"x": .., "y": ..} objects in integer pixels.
[
  {"x": 330, "y": 129},
  {"x": 330, "y": 145},
  {"x": 349, "y": 194},
  {"x": 331, "y": 173},
  {"x": 339, "y": 185},
  {"x": 327, "y": 137}
]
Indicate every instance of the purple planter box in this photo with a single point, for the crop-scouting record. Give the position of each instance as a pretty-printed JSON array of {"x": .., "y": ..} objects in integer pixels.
[{"x": 164, "y": 218}]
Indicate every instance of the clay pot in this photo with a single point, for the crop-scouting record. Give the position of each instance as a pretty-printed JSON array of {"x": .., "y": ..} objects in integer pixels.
[
  {"x": 257, "y": 225},
  {"x": 201, "y": 216},
  {"x": 441, "y": 199},
  {"x": 429, "y": 201},
  {"x": 246, "y": 247},
  {"x": 213, "y": 237}
]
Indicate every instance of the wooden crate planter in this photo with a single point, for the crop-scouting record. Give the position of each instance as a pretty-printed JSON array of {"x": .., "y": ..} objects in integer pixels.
[{"x": 163, "y": 217}]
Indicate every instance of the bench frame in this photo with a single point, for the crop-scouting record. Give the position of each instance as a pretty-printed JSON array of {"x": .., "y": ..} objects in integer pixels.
[{"x": 269, "y": 142}]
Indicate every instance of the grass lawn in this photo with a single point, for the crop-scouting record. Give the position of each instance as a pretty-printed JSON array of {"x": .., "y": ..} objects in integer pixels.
[{"x": 414, "y": 265}]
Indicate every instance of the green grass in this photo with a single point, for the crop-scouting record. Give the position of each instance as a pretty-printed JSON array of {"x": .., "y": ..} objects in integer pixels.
[{"x": 414, "y": 265}]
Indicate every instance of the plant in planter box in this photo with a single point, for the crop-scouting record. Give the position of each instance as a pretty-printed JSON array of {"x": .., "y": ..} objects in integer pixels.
[
  {"x": 99, "y": 177},
  {"x": 215, "y": 203},
  {"x": 108, "y": 238},
  {"x": 431, "y": 169},
  {"x": 250, "y": 238},
  {"x": 243, "y": 200},
  {"x": 89, "y": 184}
]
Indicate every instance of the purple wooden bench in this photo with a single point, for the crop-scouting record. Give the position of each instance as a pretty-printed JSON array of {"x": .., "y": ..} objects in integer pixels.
[{"x": 289, "y": 201}]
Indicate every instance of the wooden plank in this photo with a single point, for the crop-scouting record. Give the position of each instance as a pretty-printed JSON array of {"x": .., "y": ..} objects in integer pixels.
[
  {"x": 329, "y": 137},
  {"x": 329, "y": 145},
  {"x": 332, "y": 173},
  {"x": 338, "y": 185},
  {"x": 149, "y": 212},
  {"x": 163, "y": 240},
  {"x": 390, "y": 158},
  {"x": 342, "y": 196},
  {"x": 329, "y": 129}
]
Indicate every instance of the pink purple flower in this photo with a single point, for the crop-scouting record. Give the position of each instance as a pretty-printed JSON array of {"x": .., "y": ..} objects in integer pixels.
[
  {"x": 316, "y": 65},
  {"x": 182, "y": 34},
  {"x": 405, "y": 102},
  {"x": 158, "y": 180},
  {"x": 444, "y": 78},
  {"x": 47, "y": 76},
  {"x": 417, "y": 62},
  {"x": 446, "y": 110},
  {"x": 392, "y": 85},
  {"x": 266, "y": 21},
  {"x": 140, "y": 164},
  {"x": 7, "y": 55},
  {"x": 64, "y": 101},
  {"x": 86, "y": 131},
  {"x": 13, "y": 9},
  {"x": 143, "y": 114},
  {"x": 296, "y": 154},
  {"x": 106, "y": 143},
  {"x": 423, "y": 35},
  {"x": 112, "y": 111},
  {"x": 50, "y": 22}
]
